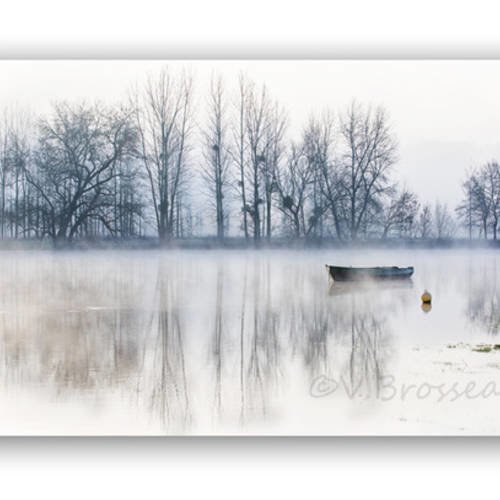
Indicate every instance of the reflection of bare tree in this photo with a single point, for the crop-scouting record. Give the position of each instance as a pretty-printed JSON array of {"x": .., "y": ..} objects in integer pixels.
[
  {"x": 263, "y": 369},
  {"x": 120, "y": 333},
  {"x": 242, "y": 348},
  {"x": 368, "y": 350},
  {"x": 255, "y": 385},
  {"x": 317, "y": 325},
  {"x": 345, "y": 328},
  {"x": 362, "y": 322},
  {"x": 76, "y": 333},
  {"x": 169, "y": 391},
  {"x": 217, "y": 340},
  {"x": 483, "y": 299}
]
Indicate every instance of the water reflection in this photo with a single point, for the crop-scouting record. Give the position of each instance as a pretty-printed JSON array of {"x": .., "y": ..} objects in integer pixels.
[
  {"x": 164, "y": 372},
  {"x": 195, "y": 343},
  {"x": 363, "y": 312},
  {"x": 483, "y": 297}
]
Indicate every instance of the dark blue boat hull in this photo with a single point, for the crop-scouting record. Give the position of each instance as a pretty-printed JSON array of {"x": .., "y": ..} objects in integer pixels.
[{"x": 369, "y": 273}]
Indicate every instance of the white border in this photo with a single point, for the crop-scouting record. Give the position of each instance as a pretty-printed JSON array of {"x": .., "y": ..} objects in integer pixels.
[{"x": 249, "y": 29}]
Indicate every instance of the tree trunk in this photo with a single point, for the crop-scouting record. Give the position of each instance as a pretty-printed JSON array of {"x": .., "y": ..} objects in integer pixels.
[
  {"x": 268, "y": 221},
  {"x": 256, "y": 214}
]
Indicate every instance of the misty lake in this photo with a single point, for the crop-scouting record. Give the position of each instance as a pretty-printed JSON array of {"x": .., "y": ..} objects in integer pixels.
[{"x": 247, "y": 342}]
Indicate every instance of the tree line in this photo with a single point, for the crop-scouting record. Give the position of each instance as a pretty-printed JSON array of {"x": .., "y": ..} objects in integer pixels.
[
  {"x": 163, "y": 165},
  {"x": 480, "y": 208}
]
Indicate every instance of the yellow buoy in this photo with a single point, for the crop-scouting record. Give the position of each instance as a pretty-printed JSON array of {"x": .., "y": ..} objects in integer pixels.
[{"x": 426, "y": 297}]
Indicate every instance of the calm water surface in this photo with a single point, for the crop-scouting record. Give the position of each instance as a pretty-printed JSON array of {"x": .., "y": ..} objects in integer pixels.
[{"x": 117, "y": 342}]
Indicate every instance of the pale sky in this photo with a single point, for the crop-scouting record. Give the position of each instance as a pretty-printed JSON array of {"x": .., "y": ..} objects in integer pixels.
[{"x": 445, "y": 114}]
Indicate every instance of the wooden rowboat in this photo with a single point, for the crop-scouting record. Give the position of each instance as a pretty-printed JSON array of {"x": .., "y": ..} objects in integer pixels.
[{"x": 369, "y": 273}]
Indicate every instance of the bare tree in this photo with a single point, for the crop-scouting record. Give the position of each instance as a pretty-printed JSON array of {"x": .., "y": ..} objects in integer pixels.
[
  {"x": 19, "y": 152},
  {"x": 465, "y": 209},
  {"x": 293, "y": 181},
  {"x": 273, "y": 155},
  {"x": 15, "y": 153},
  {"x": 369, "y": 152},
  {"x": 257, "y": 125},
  {"x": 78, "y": 150},
  {"x": 215, "y": 170},
  {"x": 127, "y": 208},
  {"x": 491, "y": 175},
  {"x": 425, "y": 222},
  {"x": 443, "y": 221},
  {"x": 400, "y": 214},
  {"x": 319, "y": 142},
  {"x": 481, "y": 200},
  {"x": 5, "y": 135},
  {"x": 239, "y": 134},
  {"x": 164, "y": 122}
]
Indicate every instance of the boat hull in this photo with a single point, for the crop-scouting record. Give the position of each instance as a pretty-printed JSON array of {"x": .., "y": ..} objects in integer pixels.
[{"x": 369, "y": 273}]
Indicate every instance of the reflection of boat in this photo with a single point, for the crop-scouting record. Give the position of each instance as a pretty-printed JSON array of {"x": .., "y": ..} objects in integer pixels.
[
  {"x": 361, "y": 287},
  {"x": 367, "y": 273}
]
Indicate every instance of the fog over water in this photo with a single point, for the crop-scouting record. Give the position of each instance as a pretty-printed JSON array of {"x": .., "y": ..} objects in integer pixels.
[{"x": 233, "y": 342}]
